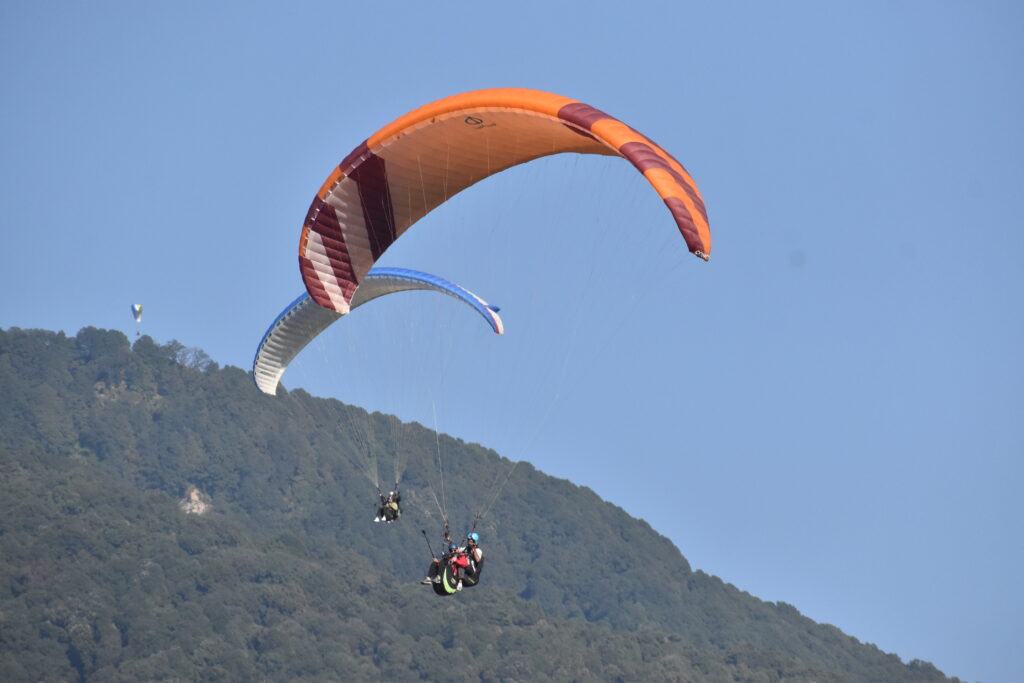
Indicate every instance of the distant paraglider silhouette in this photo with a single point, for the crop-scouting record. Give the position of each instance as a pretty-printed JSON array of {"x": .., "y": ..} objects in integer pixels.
[{"x": 137, "y": 314}]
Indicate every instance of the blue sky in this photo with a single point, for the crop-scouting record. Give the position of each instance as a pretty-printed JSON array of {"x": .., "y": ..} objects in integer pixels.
[{"x": 827, "y": 414}]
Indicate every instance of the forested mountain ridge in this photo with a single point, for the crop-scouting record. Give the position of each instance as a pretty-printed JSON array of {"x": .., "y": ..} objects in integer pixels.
[{"x": 285, "y": 577}]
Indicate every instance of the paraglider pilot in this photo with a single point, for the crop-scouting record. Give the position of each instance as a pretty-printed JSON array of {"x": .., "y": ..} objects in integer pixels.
[
  {"x": 437, "y": 566},
  {"x": 467, "y": 563},
  {"x": 389, "y": 510},
  {"x": 475, "y": 557}
]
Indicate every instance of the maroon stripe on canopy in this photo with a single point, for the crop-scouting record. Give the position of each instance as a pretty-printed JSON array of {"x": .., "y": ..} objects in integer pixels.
[
  {"x": 582, "y": 115},
  {"x": 323, "y": 220},
  {"x": 353, "y": 157},
  {"x": 313, "y": 286},
  {"x": 645, "y": 158},
  {"x": 686, "y": 226},
  {"x": 333, "y": 248},
  {"x": 371, "y": 179}
]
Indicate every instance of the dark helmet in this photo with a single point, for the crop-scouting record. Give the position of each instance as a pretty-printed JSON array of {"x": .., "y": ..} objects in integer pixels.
[{"x": 453, "y": 546}]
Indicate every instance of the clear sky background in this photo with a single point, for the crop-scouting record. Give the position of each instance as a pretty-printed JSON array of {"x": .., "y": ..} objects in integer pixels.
[{"x": 829, "y": 413}]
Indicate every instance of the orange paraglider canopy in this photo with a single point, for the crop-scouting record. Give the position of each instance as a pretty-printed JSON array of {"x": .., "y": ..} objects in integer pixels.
[{"x": 422, "y": 159}]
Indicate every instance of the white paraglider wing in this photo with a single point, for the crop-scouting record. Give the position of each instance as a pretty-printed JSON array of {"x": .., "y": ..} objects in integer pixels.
[{"x": 304, "y": 319}]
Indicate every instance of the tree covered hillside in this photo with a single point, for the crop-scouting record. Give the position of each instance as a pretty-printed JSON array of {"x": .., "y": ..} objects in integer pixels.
[{"x": 107, "y": 577}]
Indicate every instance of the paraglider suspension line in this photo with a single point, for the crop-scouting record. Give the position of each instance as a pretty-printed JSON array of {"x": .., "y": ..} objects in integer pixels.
[
  {"x": 440, "y": 466},
  {"x": 480, "y": 515}
]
